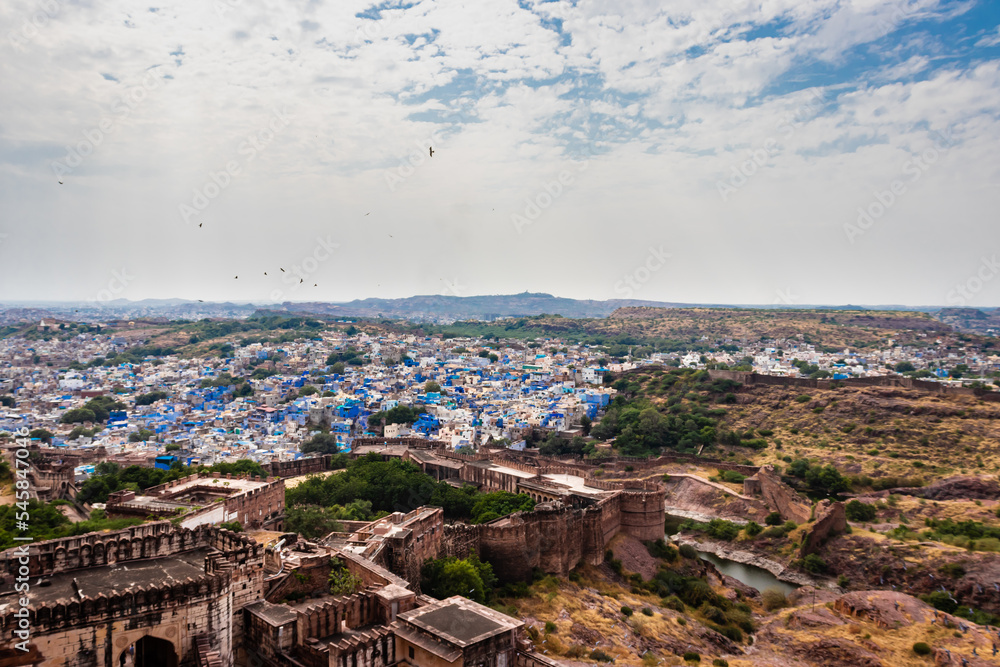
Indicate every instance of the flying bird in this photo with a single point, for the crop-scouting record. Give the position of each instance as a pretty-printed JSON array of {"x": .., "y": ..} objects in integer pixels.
[
  {"x": 200, "y": 224},
  {"x": 282, "y": 270},
  {"x": 265, "y": 273},
  {"x": 60, "y": 182},
  {"x": 368, "y": 213},
  {"x": 432, "y": 151},
  {"x": 200, "y": 301},
  {"x": 236, "y": 278},
  {"x": 301, "y": 280}
]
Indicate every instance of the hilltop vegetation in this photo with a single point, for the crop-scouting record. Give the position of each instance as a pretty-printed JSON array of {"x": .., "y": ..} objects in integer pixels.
[{"x": 873, "y": 435}]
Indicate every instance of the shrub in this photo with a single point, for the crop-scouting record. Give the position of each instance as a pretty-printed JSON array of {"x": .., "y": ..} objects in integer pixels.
[
  {"x": 691, "y": 656},
  {"x": 952, "y": 570},
  {"x": 859, "y": 511},
  {"x": 673, "y": 602},
  {"x": 773, "y": 531},
  {"x": 660, "y": 549},
  {"x": 752, "y": 529},
  {"x": 550, "y": 627},
  {"x": 773, "y": 519},
  {"x": 688, "y": 551},
  {"x": 773, "y": 599},
  {"x": 732, "y": 476},
  {"x": 647, "y": 611},
  {"x": 922, "y": 648},
  {"x": 626, "y": 610},
  {"x": 600, "y": 656},
  {"x": 813, "y": 563},
  {"x": 682, "y": 621},
  {"x": 719, "y": 662},
  {"x": 576, "y": 651}
]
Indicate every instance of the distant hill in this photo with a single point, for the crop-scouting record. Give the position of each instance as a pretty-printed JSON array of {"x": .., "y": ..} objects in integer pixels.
[
  {"x": 435, "y": 308},
  {"x": 438, "y": 307}
]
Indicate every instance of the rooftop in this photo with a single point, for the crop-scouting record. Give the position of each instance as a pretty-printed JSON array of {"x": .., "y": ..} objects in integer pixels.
[
  {"x": 460, "y": 621},
  {"x": 120, "y": 577}
]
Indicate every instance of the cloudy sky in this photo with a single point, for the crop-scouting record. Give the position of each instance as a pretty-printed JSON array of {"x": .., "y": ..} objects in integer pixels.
[{"x": 773, "y": 151}]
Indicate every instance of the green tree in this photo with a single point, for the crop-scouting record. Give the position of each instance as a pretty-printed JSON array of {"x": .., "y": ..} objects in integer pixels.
[
  {"x": 321, "y": 443},
  {"x": 150, "y": 398},
  {"x": 78, "y": 416},
  {"x": 342, "y": 581},
  {"x": 489, "y": 506},
  {"x": 859, "y": 511},
  {"x": 445, "y": 577},
  {"x": 42, "y": 434},
  {"x": 432, "y": 387}
]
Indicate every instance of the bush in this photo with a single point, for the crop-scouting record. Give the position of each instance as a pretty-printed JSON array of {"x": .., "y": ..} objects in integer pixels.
[
  {"x": 691, "y": 656},
  {"x": 660, "y": 549},
  {"x": 626, "y": 610},
  {"x": 647, "y": 611},
  {"x": 773, "y": 519},
  {"x": 952, "y": 570},
  {"x": 752, "y": 529},
  {"x": 719, "y": 662},
  {"x": 600, "y": 656},
  {"x": 859, "y": 511},
  {"x": 773, "y": 531},
  {"x": 688, "y": 551},
  {"x": 550, "y": 627},
  {"x": 803, "y": 398},
  {"x": 731, "y": 476},
  {"x": 813, "y": 563},
  {"x": 773, "y": 599},
  {"x": 922, "y": 648},
  {"x": 673, "y": 602}
]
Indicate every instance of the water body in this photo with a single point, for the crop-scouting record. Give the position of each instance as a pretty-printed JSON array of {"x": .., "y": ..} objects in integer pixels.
[{"x": 751, "y": 575}]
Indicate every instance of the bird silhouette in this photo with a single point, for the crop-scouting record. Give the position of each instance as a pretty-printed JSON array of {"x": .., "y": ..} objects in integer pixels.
[
  {"x": 200, "y": 224},
  {"x": 60, "y": 182},
  {"x": 315, "y": 285},
  {"x": 301, "y": 280},
  {"x": 368, "y": 213},
  {"x": 432, "y": 151},
  {"x": 282, "y": 270},
  {"x": 236, "y": 278},
  {"x": 265, "y": 273},
  {"x": 200, "y": 301}
]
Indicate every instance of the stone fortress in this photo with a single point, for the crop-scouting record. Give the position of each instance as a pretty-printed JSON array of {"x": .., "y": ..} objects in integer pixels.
[{"x": 187, "y": 592}]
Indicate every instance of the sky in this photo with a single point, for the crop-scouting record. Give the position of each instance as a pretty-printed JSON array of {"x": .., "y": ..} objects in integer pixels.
[{"x": 700, "y": 151}]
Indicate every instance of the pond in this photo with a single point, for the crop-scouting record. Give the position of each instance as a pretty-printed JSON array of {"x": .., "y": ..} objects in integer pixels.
[{"x": 751, "y": 575}]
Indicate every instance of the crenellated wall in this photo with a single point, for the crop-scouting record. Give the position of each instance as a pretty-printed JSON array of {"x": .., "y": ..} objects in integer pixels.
[{"x": 150, "y": 540}]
